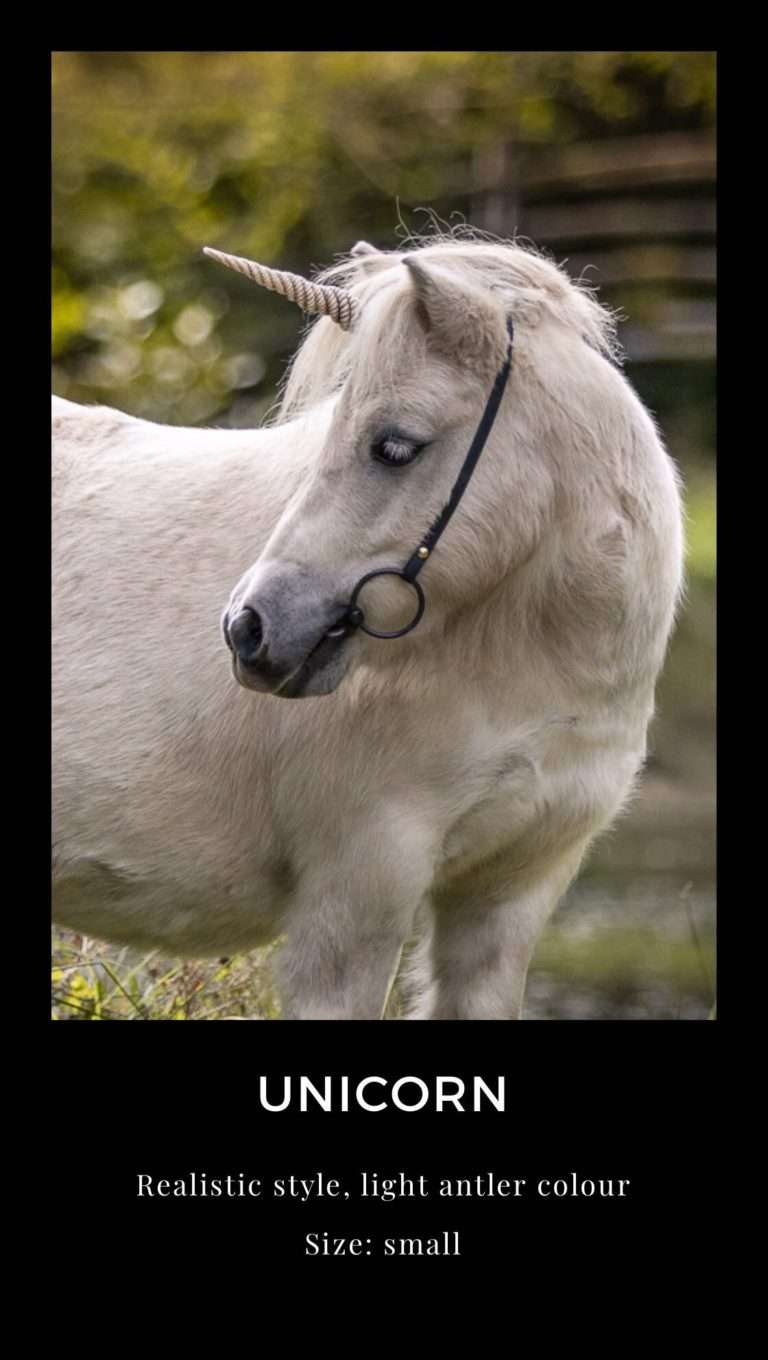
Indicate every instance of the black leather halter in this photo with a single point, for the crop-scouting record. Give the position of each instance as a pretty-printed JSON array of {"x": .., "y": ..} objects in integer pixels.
[{"x": 355, "y": 617}]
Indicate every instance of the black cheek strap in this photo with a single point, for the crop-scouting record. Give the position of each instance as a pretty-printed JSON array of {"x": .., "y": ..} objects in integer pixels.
[
  {"x": 355, "y": 617},
  {"x": 415, "y": 563}
]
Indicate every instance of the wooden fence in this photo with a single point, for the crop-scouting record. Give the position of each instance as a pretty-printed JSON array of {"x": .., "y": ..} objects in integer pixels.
[{"x": 635, "y": 216}]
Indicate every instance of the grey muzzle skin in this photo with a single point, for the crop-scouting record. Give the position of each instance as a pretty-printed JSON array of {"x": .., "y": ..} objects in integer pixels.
[{"x": 288, "y": 637}]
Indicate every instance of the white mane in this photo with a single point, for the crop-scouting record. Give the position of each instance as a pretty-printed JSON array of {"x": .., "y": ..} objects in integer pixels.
[{"x": 532, "y": 287}]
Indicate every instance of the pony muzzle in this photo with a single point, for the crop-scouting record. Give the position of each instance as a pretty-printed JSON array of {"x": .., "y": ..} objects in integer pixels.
[{"x": 284, "y": 656}]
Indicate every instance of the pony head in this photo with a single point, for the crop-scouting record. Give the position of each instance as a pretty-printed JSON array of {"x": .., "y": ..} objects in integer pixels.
[{"x": 396, "y": 377}]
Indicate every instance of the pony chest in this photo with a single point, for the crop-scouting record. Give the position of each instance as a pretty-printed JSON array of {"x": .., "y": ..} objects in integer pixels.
[{"x": 500, "y": 796}]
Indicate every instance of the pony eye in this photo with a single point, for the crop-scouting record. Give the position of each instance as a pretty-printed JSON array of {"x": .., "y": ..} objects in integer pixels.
[{"x": 395, "y": 451}]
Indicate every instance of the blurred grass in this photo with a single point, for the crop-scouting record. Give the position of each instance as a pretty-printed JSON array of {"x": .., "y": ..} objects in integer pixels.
[
  {"x": 619, "y": 961},
  {"x": 91, "y": 980},
  {"x": 609, "y": 972}
]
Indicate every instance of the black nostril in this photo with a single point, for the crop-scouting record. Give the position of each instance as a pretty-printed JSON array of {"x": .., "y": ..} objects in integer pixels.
[{"x": 246, "y": 634}]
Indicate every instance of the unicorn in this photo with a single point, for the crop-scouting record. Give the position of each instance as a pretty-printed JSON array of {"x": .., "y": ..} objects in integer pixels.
[{"x": 370, "y": 679}]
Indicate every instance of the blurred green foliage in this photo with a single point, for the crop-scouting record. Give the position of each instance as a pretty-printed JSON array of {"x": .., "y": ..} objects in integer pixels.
[{"x": 289, "y": 157}]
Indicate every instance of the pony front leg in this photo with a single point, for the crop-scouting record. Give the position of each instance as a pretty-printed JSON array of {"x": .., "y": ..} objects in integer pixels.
[
  {"x": 346, "y": 933},
  {"x": 324, "y": 974},
  {"x": 482, "y": 943}
]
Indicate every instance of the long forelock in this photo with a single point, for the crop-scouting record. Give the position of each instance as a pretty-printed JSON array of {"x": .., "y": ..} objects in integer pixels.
[{"x": 528, "y": 282}]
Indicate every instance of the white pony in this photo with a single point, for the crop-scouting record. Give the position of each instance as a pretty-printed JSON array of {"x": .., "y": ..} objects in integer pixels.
[{"x": 436, "y": 790}]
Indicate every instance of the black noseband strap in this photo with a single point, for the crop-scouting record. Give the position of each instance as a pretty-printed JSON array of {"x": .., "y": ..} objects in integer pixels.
[{"x": 355, "y": 617}]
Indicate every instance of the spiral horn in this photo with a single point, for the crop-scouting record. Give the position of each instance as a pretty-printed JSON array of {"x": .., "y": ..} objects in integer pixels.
[{"x": 319, "y": 298}]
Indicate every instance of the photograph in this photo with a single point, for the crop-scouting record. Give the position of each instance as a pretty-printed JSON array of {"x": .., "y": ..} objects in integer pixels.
[{"x": 383, "y": 554}]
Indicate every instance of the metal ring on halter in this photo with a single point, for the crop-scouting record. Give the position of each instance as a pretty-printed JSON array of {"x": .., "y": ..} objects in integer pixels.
[{"x": 355, "y": 616}]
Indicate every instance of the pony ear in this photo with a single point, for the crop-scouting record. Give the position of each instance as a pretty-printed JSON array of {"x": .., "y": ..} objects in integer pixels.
[
  {"x": 459, "y": 318},
  {"x": 370, "y": 260}
]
